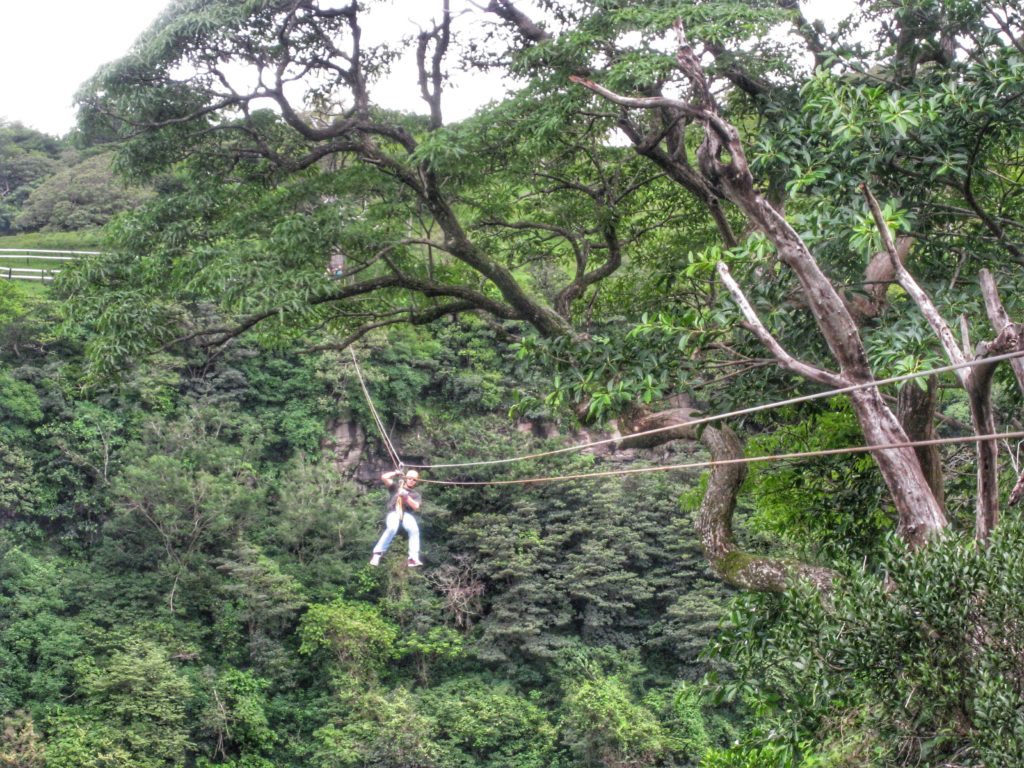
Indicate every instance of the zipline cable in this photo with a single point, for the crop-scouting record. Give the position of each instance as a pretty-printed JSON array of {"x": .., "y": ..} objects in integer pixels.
[
  {"x": 396, "y": 460},
  {"x": 744, "y": 460},
  {"x": 728, "y": 415}
]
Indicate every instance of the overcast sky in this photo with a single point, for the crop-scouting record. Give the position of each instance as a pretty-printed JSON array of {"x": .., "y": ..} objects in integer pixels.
[{"x": 50, "y": 48}]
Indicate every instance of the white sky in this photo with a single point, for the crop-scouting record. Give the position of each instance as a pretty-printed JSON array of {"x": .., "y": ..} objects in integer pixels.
[{"x": 51, "y": 47}]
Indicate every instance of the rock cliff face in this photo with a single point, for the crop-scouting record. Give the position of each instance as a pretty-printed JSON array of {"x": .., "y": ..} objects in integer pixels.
[{"x": 345, "y": 443}]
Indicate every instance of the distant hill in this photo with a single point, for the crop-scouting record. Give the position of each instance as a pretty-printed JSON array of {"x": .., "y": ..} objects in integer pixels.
[{"x": 50, "y": 185}]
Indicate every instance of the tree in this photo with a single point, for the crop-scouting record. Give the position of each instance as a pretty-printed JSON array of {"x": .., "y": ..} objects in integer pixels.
[
  {"x": 21, "y": 745},
  {"x": 432, "y": 220},
  {"x": 184, "y": 497},
  {"x": 81, "y": 195},
  {"x": 140, "y": 700},
  {"x": 723, "y": 163},
  {"x": 26, "y": 158}
]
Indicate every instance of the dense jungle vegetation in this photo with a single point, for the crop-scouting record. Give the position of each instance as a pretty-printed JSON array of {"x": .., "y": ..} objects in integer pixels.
[
  {"x": 54, "y": 192},
  {"x": 186, "y": 579},
  {"x": 678, "y": 208}
]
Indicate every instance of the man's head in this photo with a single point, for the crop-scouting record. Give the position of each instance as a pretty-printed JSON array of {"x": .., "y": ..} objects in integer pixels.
[{"x": 411, "y": 477}]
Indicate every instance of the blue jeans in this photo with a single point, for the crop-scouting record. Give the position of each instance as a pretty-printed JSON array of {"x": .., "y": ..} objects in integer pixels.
[{"x": 391, "y": 528}]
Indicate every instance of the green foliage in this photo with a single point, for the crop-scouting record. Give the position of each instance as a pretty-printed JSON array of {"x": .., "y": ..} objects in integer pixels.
[
  {"x": 287, "y": 397},
  {"x": 79, "y": 196},
  {"x": 179, "y": 593},
  {"x": 39, "y": 641},
  {"x": 19, "y": 406},
  {"x": 235, "y": 717},
  {"x": 318, "y": 512},
  {"x": 135, "y": 705},
  {"x": 605, "y": 726},
  {"x": 26, "y": 158},
  {"x": 265, "y": 597},
  {"x": 597, "y": 560},
  {"x": 489, "y": 723},
  {"x": 184, "y": 493},
  {"x": 12, "y": 302},
  {"x": 608, "y": 373},
  {"x": 915, "y": 658},
  {"x": 381, "y": 730},
  {"x": 19, "y": 491},
  {"x": 830, "y": 504},
  {"x": 78, "y": 742},
  {"x": 183, "y": 575},
  {"x": 356, "y": 635}
]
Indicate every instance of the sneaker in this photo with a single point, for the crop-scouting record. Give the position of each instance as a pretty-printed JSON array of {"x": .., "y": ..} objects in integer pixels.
[
  {"x": 375, "y": 560},
  {"x": 414, "y": 563}
]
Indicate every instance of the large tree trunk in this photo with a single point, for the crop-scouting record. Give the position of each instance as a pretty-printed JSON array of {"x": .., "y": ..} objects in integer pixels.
[
  {"x": 714, "y": 525},
  {"x": 915, "y": 406}
]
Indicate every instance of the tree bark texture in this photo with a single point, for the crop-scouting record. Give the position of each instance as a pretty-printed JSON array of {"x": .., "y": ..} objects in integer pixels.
[
  {"x": 915, "y": 407},
  {"x": 714, "y": 526},
  {"x": 672, "y": 423}
]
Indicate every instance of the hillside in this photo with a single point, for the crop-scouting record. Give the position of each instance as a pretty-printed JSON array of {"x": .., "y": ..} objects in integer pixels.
[{"x": 185, "y": 570}]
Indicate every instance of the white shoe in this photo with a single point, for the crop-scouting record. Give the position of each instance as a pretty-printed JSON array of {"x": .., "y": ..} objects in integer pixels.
[
  {"x": 375, "y": 560},
  {"x": 414, "y": 562}
]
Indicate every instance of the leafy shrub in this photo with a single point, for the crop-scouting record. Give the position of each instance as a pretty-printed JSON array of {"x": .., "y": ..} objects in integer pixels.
[{"x": 918, "y": 660}]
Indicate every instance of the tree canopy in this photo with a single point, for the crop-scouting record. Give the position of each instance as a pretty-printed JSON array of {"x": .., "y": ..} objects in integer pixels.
[
  {"x": 49, "y": 184},
  {"x": 735, "y": 138}
]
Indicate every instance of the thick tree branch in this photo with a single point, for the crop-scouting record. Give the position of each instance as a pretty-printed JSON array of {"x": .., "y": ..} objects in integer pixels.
[
  {"x": 938, "y": 324},
  {"x": 466, "y": 299},
  {"x": 676, "y": 168},
  {"x": 526, "y": 26},
  {"x": 723, "y": 162},
  {"x": 431, "y": 81},
  {"x": 999, "y": 318},
  {"x": 714, "y": 526},
  {"x": 411, "y": 316},
  {"x": 584, "y": 279},
  {"x": 756, "y": 327}
]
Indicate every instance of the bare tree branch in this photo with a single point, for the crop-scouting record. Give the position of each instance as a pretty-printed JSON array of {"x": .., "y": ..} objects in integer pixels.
[
  {"x": 783, "y": 357},
  {"x": 999, "y": 319},
  {"x": 938, "y": 324},
  {"x": 431, "y": 82}
]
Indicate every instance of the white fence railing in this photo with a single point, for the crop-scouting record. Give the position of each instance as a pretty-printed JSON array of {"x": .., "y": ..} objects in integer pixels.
[{"x": 9, "y": 257}]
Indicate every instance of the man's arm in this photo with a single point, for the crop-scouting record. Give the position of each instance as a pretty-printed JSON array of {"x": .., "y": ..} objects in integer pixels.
[{"x": 388, "y": 478}]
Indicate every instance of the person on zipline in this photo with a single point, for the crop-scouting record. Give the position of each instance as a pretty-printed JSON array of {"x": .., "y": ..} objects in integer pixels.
[{"x": 402, "y": 502}]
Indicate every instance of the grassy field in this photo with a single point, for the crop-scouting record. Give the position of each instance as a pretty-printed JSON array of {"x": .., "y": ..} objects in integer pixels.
[
  {"x": 84, "y": 240},
  {"x": 23, "y": 263},
  {"x": 52, "y": 241}
]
